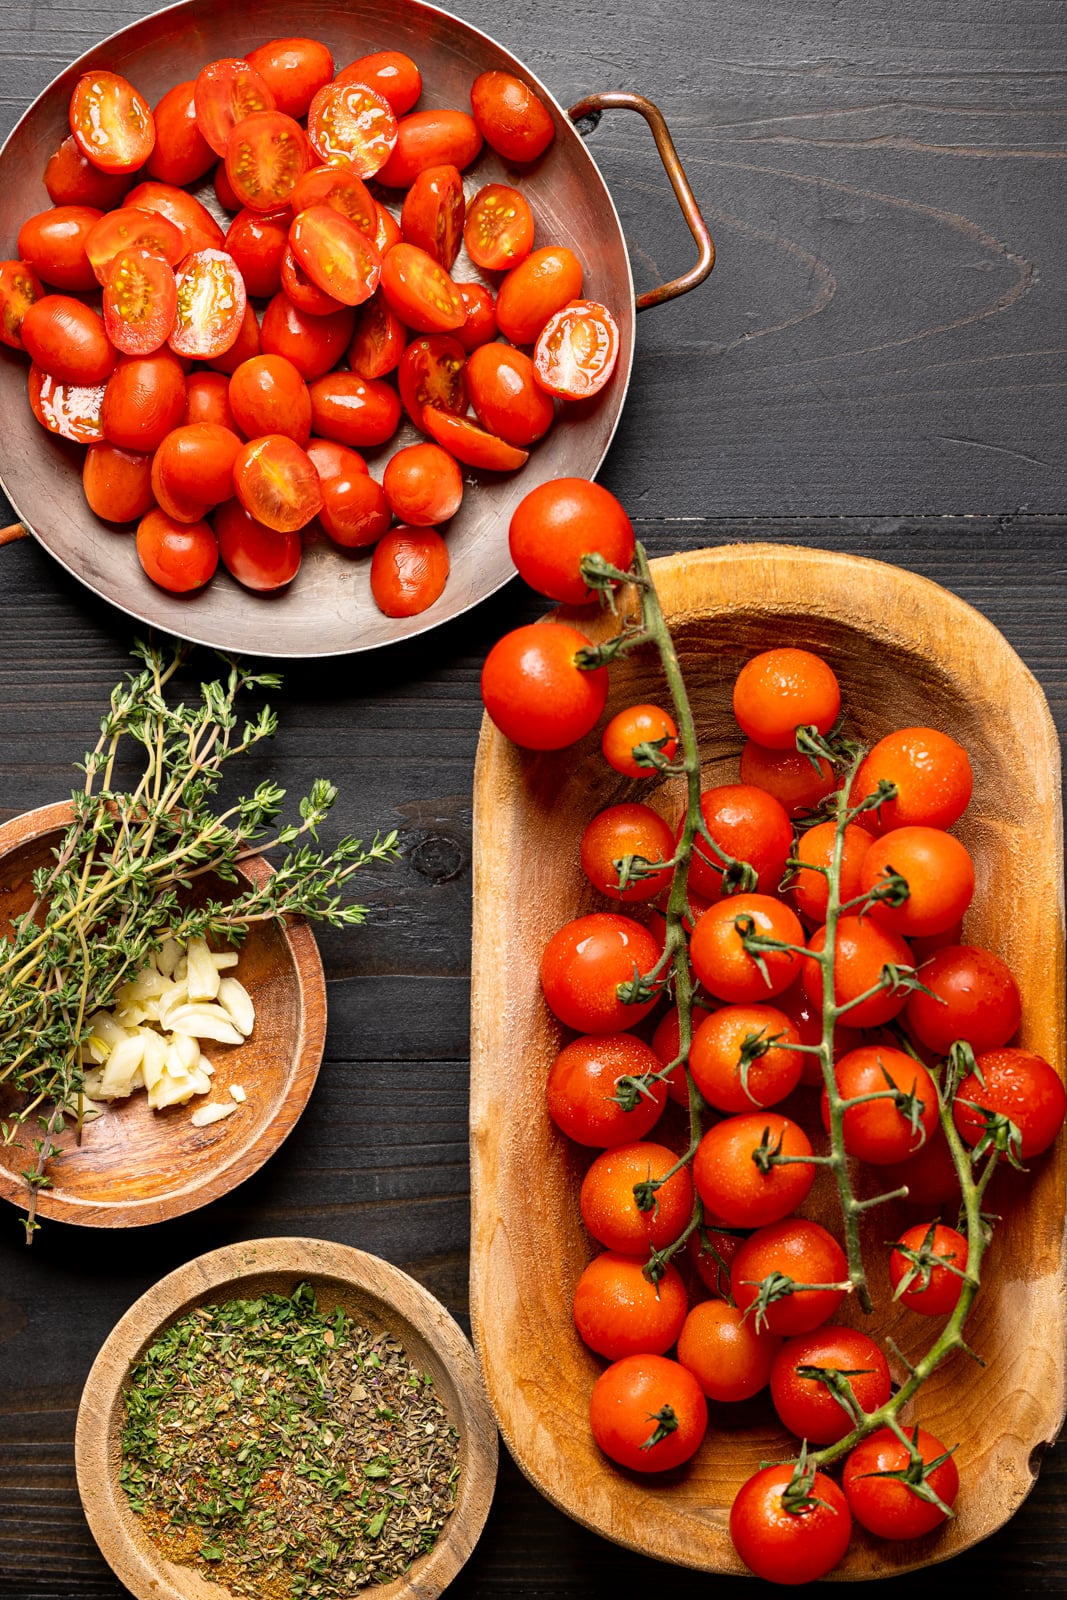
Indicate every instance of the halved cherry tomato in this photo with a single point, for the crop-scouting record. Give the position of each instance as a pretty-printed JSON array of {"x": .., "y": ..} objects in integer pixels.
[
  {"x": 423, "y": 485},
  {"x": 66, "y": 339},
  {"x": 420, "y": 291},
  {"x": 72, "y": 180},
  {"x": 131, "y": 228},
  {"x": 261, "y": 558},
  {"x": 140, "y": 302},
  {"x": 111, "y": 123},
  {"x": 266, "y": 155},
  {"x": 211, "y": 305},
  {"x": 340, "y": 186},
  {"x": 294, "y": 71},
  {"x": 224, "y": 94},
  {"x": 430, "y": 139},
  {"x": 117, "y": 483},
  {"x": 355, "y": 512},
  {"x": 207, "y": 399},
  {"x": 53, "y": 244},
  {"x": 268, "y": 395},
  {"x": 379, "y": 340},
  {"x": 244, "y": 347},
  {"x": 257, "y": 241},
  {"x": 576, "y": 350},
  {"x": 433, "y": 212},
  {"x": 305, "y": 295},
  {"x": 181, "y": 153},
  {"x": 511, "y": 117},
  {"x": 312, "y": 344},
  {"x": 499, "y": 230},
  {"x": 408, "y": 571},
  {"x": 472, "y": 445},
  {"x": 352, "y": 410},
  {"x": 144, "y": 400},
  {"x": 20, "y": 288},
  {"x": 480, "y": 326},
  {"x": 193, "y": 220},
  {"x": 505, "y": 396},
  {"x": 194, "y": 468},
  {"x": 390, "y": 73},
  {"x": 535, "y": 290},
  {"x": 178, "y": 556},
  {"x": 69, "y": 409},
  {"x": 351, "y": 122},
  {"x": 336, "y": 256},
  {"x": 431, "y": 374},
  {"x": 276, "y": 481}
]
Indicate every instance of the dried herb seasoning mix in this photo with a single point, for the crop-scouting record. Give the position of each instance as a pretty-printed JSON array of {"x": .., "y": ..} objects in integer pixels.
[{"x": 284, "y": 1453}]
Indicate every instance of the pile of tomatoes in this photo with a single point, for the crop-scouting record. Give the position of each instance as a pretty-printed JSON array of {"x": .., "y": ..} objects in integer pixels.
[
  {"x": 711, "y": 1284},
  {"x": 230, "y": 435}
]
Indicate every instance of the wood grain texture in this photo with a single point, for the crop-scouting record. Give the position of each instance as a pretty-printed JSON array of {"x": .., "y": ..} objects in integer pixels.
[{"x": 377, "y": 1297}]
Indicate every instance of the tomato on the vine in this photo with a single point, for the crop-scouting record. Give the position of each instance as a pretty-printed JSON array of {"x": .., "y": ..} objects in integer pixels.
[
  {"x": 802, "y": 1252},
  {"x": 863, "y": 954},
  {"x": 621, "y": 832},
  {"x": 928, "y": 1280},
  {"x": 641, "y": 724},
  {"x": 728, "y": 969},
  {"x": 724, "y": 1350},
  {"x": 742, "y": 1057},
  {"x": 807, "y": 1406},
  {"x": 587, "y": 961},
  {"x": 810, "y": 888},
  {"x": 584, "y": 1095},
  {"x": 748, "y": 824},
  {"x": 619, "y": 1312},
  {"x": 877, "y": 1482},
  {"x": 781, "y": 690},
  {"x": 786, "y": 1542},
  {"x": 535, "y": 691},
  {"x": 932, "y": 775},
  {"x": 788, "y": 775},
  {"x": 556, "y": 525},
  {"x": 667, "y": 1043},
  {"x": 878, "y": 1130},
  {"x": 647, "y": 1413},
  {"x": 973, "y": 996},
  {"x": 739, "y": 1174},
  {"x": 609, "y": 1204},
  {"x": 939, "y": 874},
  {"x": 1019, "y": 1085}
]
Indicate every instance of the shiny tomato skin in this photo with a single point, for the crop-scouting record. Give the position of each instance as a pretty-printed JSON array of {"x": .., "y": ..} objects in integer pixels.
[
  {"x": 780, "y": 690},
  {"x": 181, "y": 154},
  {"x": 196, "y": 463},
  {"x": 266, "y": 155},
  {"x": 387, "y": 232},
  {"x": 576, "y": 350},
  {"x": 111, "y": 122},
  {"x": 727, "y": 1354},
  {"x": 72, "y": 180},
  {"x": 535, "y": 290},
  {"x": 511, "y": 117},
  {"x": 314, "y": 345},
  {"x": 785, "y": 1546},
  {"x": 609, "y": 1206},
  {"x": 340, "y": 186},
  {"x": 938, "y": 871},
  {"x": 640, "y": 724},
  {"x": 736, "y": 1193},
  {"x": 144, "y": 400},
  {"x": 788, "y": 775},
  {"x": 431, "y": 372},
  {"x": 276, "y": 482},
  {"x": 430, "y": 139},
  {"x": 207, "y": 399},
  {"x": 536, "y": 694},
  {"x": 71, "y": 410},
  {"x": 586, "y": 961},
  {"x": 627, "y": 1399},
  {"x": 667, "y": 1047},
  {"x": 863, "y": 951},
  {"x": 352, "y": 122},
  {"x": 259, "y": 557},
  {"x": 211, "y": 305},
  {"x": 423, "y": 485},
  {"x": 244, "y": 347},
  {"x": 390, "y": 73},
  {"x": 583, "y": 1084},
  {"x": 883, "y": 1503},
  {"x": 354, "y": 411},
  {"x": 53, "y": 244},
  {"x": 809, "y": 888},
  {"x": 799, "y": 1250},
  {"x": 294, "y": 71},
  {"x": 117, "y": 483},
  {"x": 420, "y": 291},
  {"x": 505, "y": 395},
  {"x": 974, "y": 997},
  {"x": 748, "y": 824},
  {"x": 224, "y": 189},
  {"x": 934, "y": 1288},
  {"x": 433, "y": 212},
  {"x": 302, "y": 291},
  {"x": 333, "y": 460},
  {"x": 932, "y": 774},
  {"x": 66, "y": 339},
  {"x": 175, "y": 555},
  {"x": 408, "y": 571},
  {"x": 268, "y": 395},
  {"x": 716, "y": 1052},
  {"x": 807, "y": 1407},
  {"x": 131, "y": 228},
  {"x": 1020, "y": 1085},
  {"x": 499, "y": 228},
  {"x": 480, "y": 325},
  {"x": 626, "y": 830},
  {"x": 225, "y": 92},
  {"x": 257, "y": 242},
  {"x": 379, "y": 341},
  {"x": 723, "y": 965},
  {"x": 336, "y": 256},
  {"x": 619, "y": 1313},
  {"x": 355, "y": 512},
  {"x": 473, "y": 446},
  {"x": 194, "y": 221},
  {"x": 140, "y": 302}
]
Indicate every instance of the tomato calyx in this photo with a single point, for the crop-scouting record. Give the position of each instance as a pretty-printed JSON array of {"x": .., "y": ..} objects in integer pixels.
[
  {"x": 922, "y": 1263},
  {"x": 666, "y": 1420},
  {"x": 797, "y": 1497},
  {"x": 777, "y": 1286},
  {"x": 916, "y": 1474}
]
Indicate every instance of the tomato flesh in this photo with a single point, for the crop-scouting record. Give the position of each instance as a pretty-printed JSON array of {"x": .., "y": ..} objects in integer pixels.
[
  {"x": 432, "y": 214},
  {"x": 472, "y": 445},
  {"x": 140, "y": 302},
  {"x": 276, "y": 483},
  {"x": 130, "y": 228},
  {"x": 499, "y": 229},
  {"x": 111, "y": 123},
  {"x": 266, "y": 155},
  {"x": 431, "y": 373},
  {"x": 224, "y": 94},
  {"x": 336, "y": 256},
  {"x": 390, "y": 73},
  {"x": 70, "y": 409},
  {"x": 351, "y": 122},
  {"x": 341, "y": 187},
  {"x": 211, "y": 305},
  {"x": 576, "y": 350}
]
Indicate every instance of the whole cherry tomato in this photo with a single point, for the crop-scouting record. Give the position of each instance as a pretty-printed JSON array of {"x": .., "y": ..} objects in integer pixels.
[
  {"x": 587, "y": 962},
  {"x": 863, "y": 953},
  {"x": 354, "y": 511},
  {"x": 723, "y": 964},
  {"x": 144, "y": 400},
  {"x": 423, "y": 485},
  {"x": 628, "y": 832},
  {"x": 535, "y": 691},
  {"x": 72, "y": 180},
  {"x": 724, "y": 1350},
  {"x": 294, "y": 70},
  {"x": 1019, "y": 1085},
  {"x": 742, "y": 1058},
  {"x": 511, "y": 117},
  {"x": 711, "y": 1251},
  {"x": 641, "y": 724},
  {"x": 576, "y": 350},
  {"x": 261, "y": 558},
  {"x": 932, "y": 774},
  {"x": 391, "y": 73},
  {"x": 806, "y": 1268},
  {"x": 929, "y": 1176},
  {"x": 430, "y": 139},
  {"x": 928, "y": 1279},
  {"x": 257, "y": 243},
  {"x": 53, "y": 244},
  {"x": 584, "y": 1096},
  {"x": 810, "y": 888},
  {"x": 788, "y": 1536},
  {"x": 352, "y": 411},
  {"x": 179, "y": 556},
  {"x": 433, "y": 212},
  {"x": 277, "y": 483},
  {"x": 111, "y": 122},
  {"x": 66, "y": 338},
  {"x": 878, "y": 1130},
  {"x": 193, "y": 469},
  {"x": 737, "y": 1176},
  {"x": 667, "y": 1044},
  {"x": 117, "y": 483},
  {"x": 973, "y": 996},
  {"x": 747, "y": 824},
  {"x": 609, "y": 1203},
  {"x": 939, "y": 874},
  {"x": 788, "y": 775},
  {"x": 408, "y": 571},
  {"x": 878, "y": 1479},
  {"x": 619, "y": 1312},
  {"x": 558, "y": 523},
  {"x": 782, "y": 690},
  {"x": 268, "y": 395},
  {"x": 505, "y": 395},
  {"x": 647, "y": 1413},
  {"x": 207, "y": 399},
  {"x": 480, "y": 325},
  {"x": 808, "y": 1407},
  {"x": 181, "y": 153},
  {"x": 535, "y": 290},
  {"x": 313, "y": 344}
]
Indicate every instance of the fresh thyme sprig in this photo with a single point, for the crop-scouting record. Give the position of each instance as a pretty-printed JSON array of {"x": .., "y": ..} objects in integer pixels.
[{"x": 123, "y": 871}]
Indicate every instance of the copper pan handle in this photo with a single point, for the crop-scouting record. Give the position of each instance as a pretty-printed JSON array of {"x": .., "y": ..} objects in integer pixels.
[
  {"x": 623, "y": 100},
  {"x": 9, "y": 535}
]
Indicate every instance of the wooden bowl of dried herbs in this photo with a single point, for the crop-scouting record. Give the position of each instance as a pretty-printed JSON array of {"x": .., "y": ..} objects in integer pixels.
[{"x": 287, "y": 1419}]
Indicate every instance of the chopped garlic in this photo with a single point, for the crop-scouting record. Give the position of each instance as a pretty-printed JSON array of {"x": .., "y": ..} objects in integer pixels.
[
  {"x": 238, "y": 1093},
  {"x": 204, "y": 1116},
  {"x": 235, "y": 999}
]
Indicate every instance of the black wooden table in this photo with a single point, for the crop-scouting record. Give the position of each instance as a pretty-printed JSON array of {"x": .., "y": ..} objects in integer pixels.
[{"x": 875, "y": 367}]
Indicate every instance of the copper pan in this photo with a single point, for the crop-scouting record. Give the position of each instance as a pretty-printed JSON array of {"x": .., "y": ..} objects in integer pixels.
[{"x": 328, "y": 610}]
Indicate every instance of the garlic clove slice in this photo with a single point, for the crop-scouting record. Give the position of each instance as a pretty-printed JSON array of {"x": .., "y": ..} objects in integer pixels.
[
  {"x": 205, "y": 1022},
  {"x": 202, "y": 975},
  {"x": 235, "y": 999}
]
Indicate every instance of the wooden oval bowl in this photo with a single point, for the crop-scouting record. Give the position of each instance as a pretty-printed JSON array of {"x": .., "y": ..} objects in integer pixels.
[
  {"x": 378, "y": 1296},
  {"x": 907, "y": 653},
  {"x": 136, "y": 1165}
]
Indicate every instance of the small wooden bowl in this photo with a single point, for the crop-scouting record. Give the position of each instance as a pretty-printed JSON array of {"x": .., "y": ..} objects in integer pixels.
[
  {"x": 136, "y": 1165},
  {"x": 378, "y": 1296},
  {"x": 907, "y": 653}
]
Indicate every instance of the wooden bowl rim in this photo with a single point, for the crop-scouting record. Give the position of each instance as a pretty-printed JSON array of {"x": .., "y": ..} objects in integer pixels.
[
  {"x": 402, "y": 1299},
  {"x": 245, "y": 1159}
]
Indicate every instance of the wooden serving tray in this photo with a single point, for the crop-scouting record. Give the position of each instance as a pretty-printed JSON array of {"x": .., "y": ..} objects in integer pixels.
[{"x": 907, "y": 652}]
